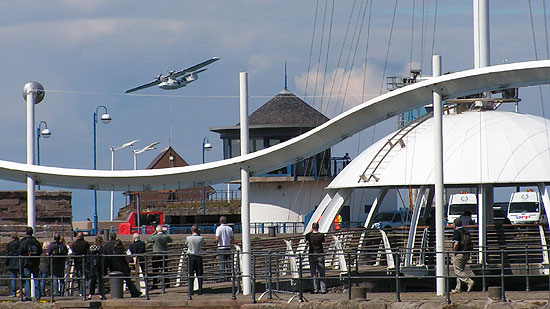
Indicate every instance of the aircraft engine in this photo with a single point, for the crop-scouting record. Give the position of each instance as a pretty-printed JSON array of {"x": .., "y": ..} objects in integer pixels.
[{"x": 191, "y": 77}]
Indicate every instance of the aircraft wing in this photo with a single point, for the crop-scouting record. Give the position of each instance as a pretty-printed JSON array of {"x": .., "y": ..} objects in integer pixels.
[
  {"x": 149, "y": 84},
  {"x": 195, "y": 67}
]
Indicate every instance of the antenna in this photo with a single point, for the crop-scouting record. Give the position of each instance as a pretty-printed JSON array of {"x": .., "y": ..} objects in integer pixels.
[{"x": 286, "y": 88}]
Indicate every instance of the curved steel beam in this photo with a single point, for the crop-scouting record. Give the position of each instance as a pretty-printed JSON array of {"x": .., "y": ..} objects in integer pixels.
[{"x": 326, "y": 135}]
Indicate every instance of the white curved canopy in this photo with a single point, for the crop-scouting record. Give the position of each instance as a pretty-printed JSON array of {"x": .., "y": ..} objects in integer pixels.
[
  {"x": 478, "y": 147},
  {"x": 326, "y": 135}
]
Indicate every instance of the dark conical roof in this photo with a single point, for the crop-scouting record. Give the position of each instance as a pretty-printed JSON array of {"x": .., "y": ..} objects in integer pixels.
[{"x": 286, "y": 110}]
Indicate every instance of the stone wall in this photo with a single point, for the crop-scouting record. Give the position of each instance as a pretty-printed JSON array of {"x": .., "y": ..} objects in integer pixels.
[{"x": 53, "y": 212}]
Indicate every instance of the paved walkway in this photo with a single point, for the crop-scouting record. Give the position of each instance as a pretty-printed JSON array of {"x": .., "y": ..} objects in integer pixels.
[{"x": 336, "y": 298}]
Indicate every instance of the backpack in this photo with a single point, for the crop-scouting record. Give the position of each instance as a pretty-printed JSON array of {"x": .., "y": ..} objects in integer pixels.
[
  {"x": 60, "y": 249},
  {"x": 33, "y": 247},
  {"x": 466, "y": 240}
]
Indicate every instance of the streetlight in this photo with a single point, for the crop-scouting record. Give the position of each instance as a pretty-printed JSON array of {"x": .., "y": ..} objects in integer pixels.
[
  {"x": 45, "y": 133},
  {"x": 144, "y": 149},
  {"x": 136, "y": 152},
  {"x": 113, "y": 149},
  {"x": 106, "y": 119},
  {"x": 205, "y": 146}
]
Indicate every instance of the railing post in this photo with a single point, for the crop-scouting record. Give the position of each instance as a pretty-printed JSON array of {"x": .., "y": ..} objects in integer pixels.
[
  {"x": 527, "y": 288},
  {"x": 163, "y": 273},
  {"x": 269, "y": 276},
  {"x": 502, "y": 293},
  {"x": 190, "y": 280},
  {"x": 447, "y": 285},
  {"x": 233, "y": 293},
  {"x": 483, "y": 279},
  {"x": 51, "y": 280},
  {"x": 253, "y": 278},
  {"x": 349, "y": 276},
  {"x": 277, "y": 278},
  {"x": 83, "y": 282},
  {"x": 146, "y": 278},
  {"x": 397, "y": 285},
  {"x": 300, "y": 276}
]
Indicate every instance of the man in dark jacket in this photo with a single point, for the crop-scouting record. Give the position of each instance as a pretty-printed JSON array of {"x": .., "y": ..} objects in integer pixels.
[
  {"x": 80, "y": 247},
  {"x": 315, "y": 241},
  {"x": 119, "y": 263},
  {"x": 31, "y": 249},
  {"x": 59, "y": 251},
  {"x": 138, "y": 247},
  {"x": 12, "y": 264}
]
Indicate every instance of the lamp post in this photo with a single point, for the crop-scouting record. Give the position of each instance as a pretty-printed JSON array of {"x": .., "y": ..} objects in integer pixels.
[
  {"x": 106, "y": 119},
  {"x": 136, "y": 152},
  {"x": 113, "y": 149},
  {"x": 205, "y": 146},
  {"x": 142, "y": 150},
  {"x": 45, "y": 133}
]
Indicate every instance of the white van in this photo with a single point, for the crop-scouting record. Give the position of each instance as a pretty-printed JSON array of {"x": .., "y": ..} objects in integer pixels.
[
  {"x": 458, "y": 203},
  {"x": 525, "y": 208}
]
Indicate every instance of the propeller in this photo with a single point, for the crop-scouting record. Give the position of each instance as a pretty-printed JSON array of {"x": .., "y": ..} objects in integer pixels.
[
  {"x": 159, "y": 77},
  {"x": 170, "y": 73}
]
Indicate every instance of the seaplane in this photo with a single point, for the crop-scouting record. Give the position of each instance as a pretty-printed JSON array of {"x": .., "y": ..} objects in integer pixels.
[{"x": 176, "y": 79}]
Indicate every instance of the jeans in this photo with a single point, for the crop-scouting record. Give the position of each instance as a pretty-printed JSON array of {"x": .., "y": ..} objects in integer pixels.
[
  {"x": 27, "y": 274},
  {"x": 80, "y": 273},
  {"x": 14, "y": 274},
  {"x": 43, "y": 279},
  {"x": 59, "y": 285},
  {"x": 224, "y": 258},
  {"x": 317, "y": 264}
]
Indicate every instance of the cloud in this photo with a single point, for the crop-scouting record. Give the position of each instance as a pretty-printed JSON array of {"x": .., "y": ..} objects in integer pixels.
[{"x": 342, "y": 89}]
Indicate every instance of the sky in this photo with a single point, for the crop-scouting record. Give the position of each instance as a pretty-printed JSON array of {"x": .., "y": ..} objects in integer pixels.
[{"x": 87, "y": 53}]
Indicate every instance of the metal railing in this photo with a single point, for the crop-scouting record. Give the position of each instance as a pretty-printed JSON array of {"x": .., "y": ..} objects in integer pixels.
[{"x": 280, "y": 272}]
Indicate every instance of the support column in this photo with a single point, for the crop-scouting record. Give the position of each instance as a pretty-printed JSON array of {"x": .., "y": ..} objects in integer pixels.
[
  {"x": 439, "y": 200},
  {"x": 484, "y": 216},
  {"x": 245, "y": 185}
]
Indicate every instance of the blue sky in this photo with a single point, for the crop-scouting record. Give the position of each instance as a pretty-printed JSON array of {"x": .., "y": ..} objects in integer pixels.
[{"x": 86, "y": 53}]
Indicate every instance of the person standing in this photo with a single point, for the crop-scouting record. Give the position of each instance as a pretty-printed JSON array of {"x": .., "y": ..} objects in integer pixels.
[
  {"x": 119, "y": 263},
  {"x": 224, "y": 237},
  {"x": 462, "y": 245},
  {"x": 80, "y": 248},
  {"x": 315, "y": 241},
  {"x": 59, "y": 252},
  {"x": 31, "y": 248},
  {"x": 44, "y": 268},
  {"x": 96, "y": 269},
  {"x": 194, "y": 266},
  {"x": 138, "y": 247},
  {"x": 12, "y": 264},
  {"x": 109, "y": 248},
  {"x": 160, "y": 241}
]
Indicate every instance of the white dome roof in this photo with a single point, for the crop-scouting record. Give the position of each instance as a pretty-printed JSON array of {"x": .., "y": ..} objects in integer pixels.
[{"x": 478, "y": 147}]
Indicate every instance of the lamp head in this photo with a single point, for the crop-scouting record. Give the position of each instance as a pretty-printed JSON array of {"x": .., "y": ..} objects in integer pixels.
[
  {"x": 105, "y": 118},
  {"x": 206, "y": 144},
  {"x": 46, "y": 133}
]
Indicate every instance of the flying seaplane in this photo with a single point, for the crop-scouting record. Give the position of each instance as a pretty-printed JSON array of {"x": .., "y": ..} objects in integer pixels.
[{"x": 176, "y": 79}]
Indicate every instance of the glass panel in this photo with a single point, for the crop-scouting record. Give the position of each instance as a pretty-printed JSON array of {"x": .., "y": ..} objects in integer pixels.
[{"x": 235, "y": 148}]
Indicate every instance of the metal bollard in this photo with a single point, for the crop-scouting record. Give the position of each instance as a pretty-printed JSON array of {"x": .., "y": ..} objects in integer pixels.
[{"x": 116, "y": 280}]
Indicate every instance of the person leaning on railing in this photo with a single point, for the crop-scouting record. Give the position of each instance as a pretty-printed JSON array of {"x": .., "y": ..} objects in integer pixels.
[
  {"x": 315, "y": 241},
  {"x": 160, "y": 242},
  {"x": 80, "y": 247},
  {"x": 224, "y": 237}
]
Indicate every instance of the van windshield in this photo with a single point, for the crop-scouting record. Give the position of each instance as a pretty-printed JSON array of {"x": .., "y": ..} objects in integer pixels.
[
  {"x": 524, "y": 207},
  {"x": 383, "y": 216},
  {"x": 458, "y": 209}
]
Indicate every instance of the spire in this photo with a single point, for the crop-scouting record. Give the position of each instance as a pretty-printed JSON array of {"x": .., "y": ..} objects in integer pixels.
[{"x": 286, "y": 86}]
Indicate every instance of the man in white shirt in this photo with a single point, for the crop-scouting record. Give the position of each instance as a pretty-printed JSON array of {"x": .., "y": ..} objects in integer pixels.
[
  {"x": 224, "y": 237},
  {"x": 194, "y": 248}
]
